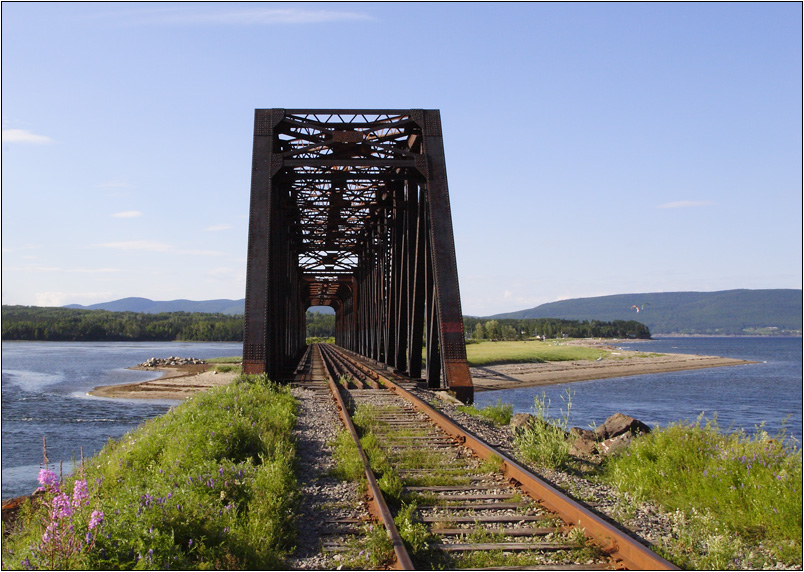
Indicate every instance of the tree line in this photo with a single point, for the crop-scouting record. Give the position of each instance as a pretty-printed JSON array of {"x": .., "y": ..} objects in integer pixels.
[
  {"x": 522, "y": 329},
  {"x": 320, "y": 325},
  {"x": 69, "y": 324}
]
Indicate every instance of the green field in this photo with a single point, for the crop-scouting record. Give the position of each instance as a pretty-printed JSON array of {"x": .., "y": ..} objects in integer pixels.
[{"x": 488, "y": 353}]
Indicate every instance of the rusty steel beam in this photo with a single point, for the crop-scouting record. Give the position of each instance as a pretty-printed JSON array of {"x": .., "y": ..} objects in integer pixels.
[{"x": 350, "y": 209}]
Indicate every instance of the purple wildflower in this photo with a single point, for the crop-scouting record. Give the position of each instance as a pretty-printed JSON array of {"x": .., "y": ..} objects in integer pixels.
[
  {"x": 95, "y": 519},
  {"x": 47, "y": 477},
  {"x": 61, "y": 506},
  {"x": 80, "y": 493}
]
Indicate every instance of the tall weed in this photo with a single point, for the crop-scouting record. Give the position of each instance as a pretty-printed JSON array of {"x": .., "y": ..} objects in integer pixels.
[
  {"x": 544, "y": 441},
  {"x": 750, "y": 485}
]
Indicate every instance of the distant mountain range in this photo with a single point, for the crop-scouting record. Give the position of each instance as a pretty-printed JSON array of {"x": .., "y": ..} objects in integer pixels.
[
  {"x": 728, "y": 312},
  {"x": 146, "y": 306}
]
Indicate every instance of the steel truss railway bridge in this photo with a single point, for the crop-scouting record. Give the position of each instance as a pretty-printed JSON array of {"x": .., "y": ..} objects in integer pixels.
[{"x": 350, "y": 209}]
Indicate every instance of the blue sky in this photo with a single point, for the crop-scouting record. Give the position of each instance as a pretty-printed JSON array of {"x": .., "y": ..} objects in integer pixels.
[{"x": 591, "y": 149}]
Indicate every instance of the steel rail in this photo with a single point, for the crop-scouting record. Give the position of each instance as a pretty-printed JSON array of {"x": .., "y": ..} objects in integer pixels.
[
  {"x": 376, "y": 501},
  {"x": 613, "y": 541}
]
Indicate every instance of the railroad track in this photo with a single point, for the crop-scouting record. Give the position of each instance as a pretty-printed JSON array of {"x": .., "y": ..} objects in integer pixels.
[{"x": 459, "y": 502}]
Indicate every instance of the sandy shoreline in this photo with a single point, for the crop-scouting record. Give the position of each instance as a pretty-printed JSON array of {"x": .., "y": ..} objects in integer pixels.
[
  {"x": 508, "y": 376},
  {"x": 179, "y": 382}
]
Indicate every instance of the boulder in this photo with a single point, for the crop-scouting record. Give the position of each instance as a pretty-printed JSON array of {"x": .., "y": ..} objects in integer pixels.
[
  {"x": 520, "y": 422},
  {"x": 618, "y": 443},
  {"x": 618, "y": 424},
  {"x": 579, "y": 432},
  {"x": 584, "y": 442},
  {"x": 584, "y": 446}
]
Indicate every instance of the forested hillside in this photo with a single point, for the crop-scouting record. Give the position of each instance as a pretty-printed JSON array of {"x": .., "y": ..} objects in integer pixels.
[
  {"x": 67, "y": 324},
  {"x": 729, "y": 312},
  {"x": 522, "y": 329},
  {"x": 144, "y": 305}
]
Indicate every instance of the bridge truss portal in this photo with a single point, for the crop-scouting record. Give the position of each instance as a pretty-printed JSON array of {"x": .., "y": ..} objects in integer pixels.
[{"x": 350, "y": 209}]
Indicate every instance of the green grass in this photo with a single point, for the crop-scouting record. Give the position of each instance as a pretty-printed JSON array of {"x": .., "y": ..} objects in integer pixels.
[
  {"x": 544, "y": 441},
  {"x": 488, "y": 353},
  {"x": 226, "y": 368},
  {"x": 730, "y": 491},
  {"x": 236, "y": 360},
  {"x": 208, "y": 485},
  {"x": 348, "y": 464},
  {"x": 499, "y": 414}
]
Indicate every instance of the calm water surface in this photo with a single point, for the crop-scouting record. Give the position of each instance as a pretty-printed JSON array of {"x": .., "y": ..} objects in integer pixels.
[
  {"x": 741, "y": 397},
  {"x": 44, "y": 394}
]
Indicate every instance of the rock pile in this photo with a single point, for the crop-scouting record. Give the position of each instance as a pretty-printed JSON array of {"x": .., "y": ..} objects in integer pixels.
[
  {"x": 172, "y": 360},
  {"x": 615, "y": 434}
]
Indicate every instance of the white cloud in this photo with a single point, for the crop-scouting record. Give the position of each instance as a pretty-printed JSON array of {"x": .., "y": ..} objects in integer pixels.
[
  {"x": 39, "y": 269},
  {"x": 226, "y": 275},
  {"x": 63, "y": 298},
  {"x": 113, "y": 184},
  {"x": 216, "y": 227},
  {"x": 25, "y": 136},
  {"x": 127, "y": 214},
  {"x": 686, "y": 204},
  {"x": 147, "y": 245},
  {"x": 154, "y": 246},
  {"x": 33, "y": 269},
  {"x": 243, "y": 17},
  {"x": 200, "y": 252}
]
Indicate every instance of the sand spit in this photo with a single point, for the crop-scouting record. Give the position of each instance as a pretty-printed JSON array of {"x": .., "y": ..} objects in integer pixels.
[
  {"x": 181, "y": 381},
  {"x": 619, "y": 364},
  {"x": 178, "y": 382}
]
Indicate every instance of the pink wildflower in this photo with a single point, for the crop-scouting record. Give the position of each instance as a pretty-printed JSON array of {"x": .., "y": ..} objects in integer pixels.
[
  {"x": 47, "y": 477},
  {"x": 95, "y": 519},
  {"x": 80, "y": 493},
  {"x": 61, "y": 506}
]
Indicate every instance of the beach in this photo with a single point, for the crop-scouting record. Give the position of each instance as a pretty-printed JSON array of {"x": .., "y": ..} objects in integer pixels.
[
  {"x": 509, "y": 376},
  {"x": 181, "y": 381},
  {"x": 177, "y": 382}
]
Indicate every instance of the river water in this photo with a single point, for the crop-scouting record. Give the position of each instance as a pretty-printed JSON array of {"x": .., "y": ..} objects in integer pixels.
[
  {"x": 44, "y": 394},
  {"x": 740, "y": 397},
  {"x": 45, "y": 385}
]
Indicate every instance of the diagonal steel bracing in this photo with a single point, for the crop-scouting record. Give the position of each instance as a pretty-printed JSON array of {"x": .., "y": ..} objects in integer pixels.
[{"x": 350, "y": 209}]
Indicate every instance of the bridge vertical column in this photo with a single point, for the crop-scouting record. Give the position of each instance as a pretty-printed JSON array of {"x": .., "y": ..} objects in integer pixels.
[
  {"x": 417, "y": 282},
  {"x": 433, "y": 357},
  {"x": 402, "y": 277},
  {"x": 448, "y": 300},
  {"x": 258, "y": 327}
]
